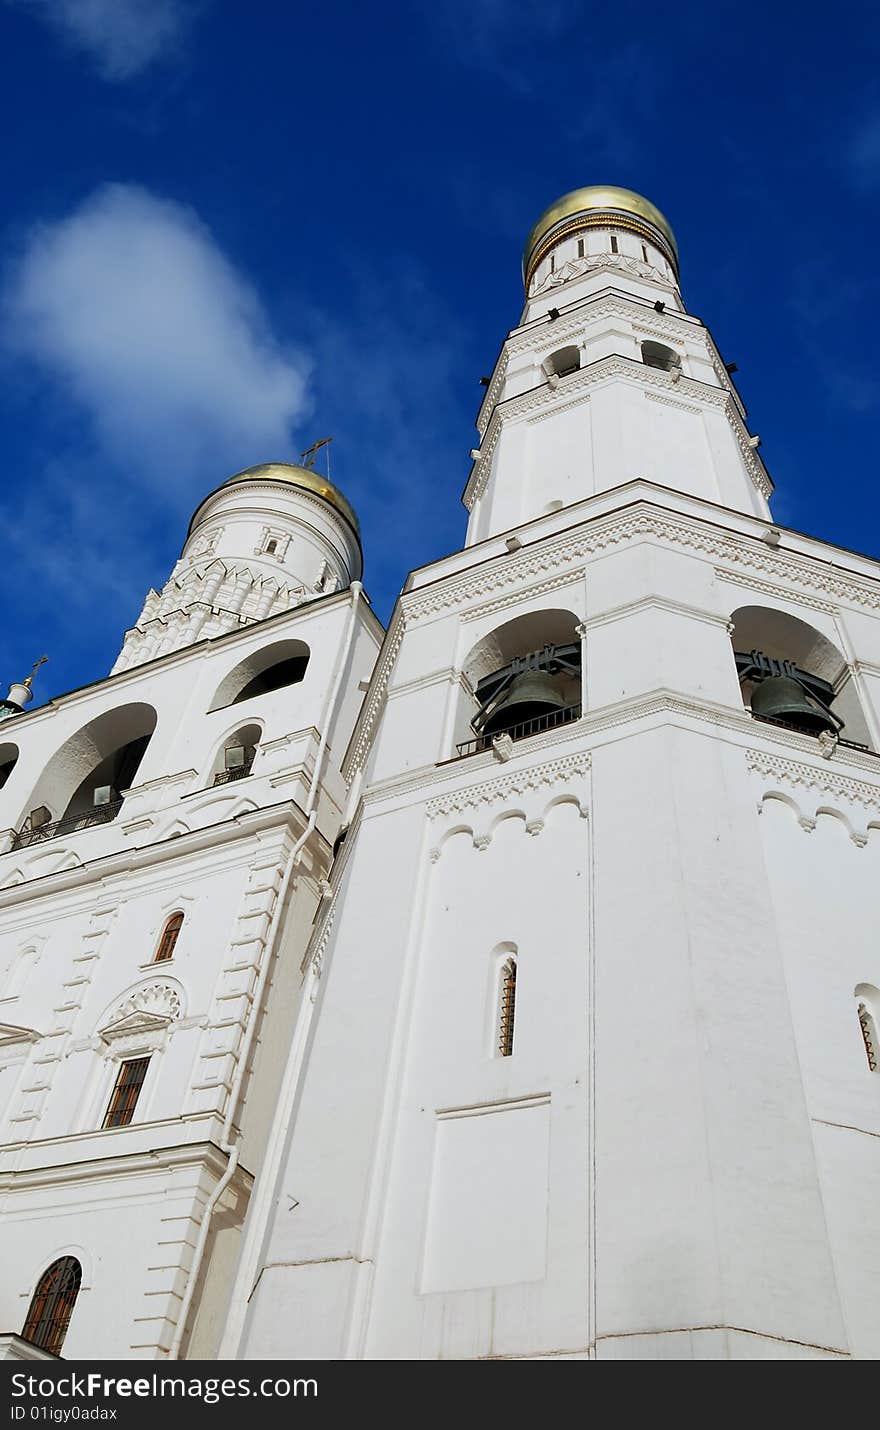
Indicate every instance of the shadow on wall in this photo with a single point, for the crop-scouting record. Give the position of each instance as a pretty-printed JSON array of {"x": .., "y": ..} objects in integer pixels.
[{"x": 271, "y": 668}]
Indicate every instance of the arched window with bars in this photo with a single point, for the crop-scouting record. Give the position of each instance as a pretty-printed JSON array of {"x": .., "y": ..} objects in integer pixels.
[
  {"x": 166, "y": 945},
  {"x": 506, "y": 1007},
  {"x": 52, "y": 1305}
]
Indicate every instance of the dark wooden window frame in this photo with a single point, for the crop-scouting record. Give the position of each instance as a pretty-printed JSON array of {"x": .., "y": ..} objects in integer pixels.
[{"x": 126, "y": 1091}]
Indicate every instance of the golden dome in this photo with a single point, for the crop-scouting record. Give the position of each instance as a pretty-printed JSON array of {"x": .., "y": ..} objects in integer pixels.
[
  {"x": 582, "y": 206},
  {"x": 303, "y": 478}
]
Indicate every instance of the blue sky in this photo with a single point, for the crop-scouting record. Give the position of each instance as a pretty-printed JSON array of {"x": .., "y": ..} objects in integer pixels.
[{"x": 230, "y": 229}]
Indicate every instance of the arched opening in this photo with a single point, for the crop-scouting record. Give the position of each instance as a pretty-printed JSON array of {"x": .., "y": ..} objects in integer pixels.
[
  {"x": 168, "y": 940},
  {"x": 659, "y": 355},
  {"x": 793, "y": 676},
  {"x": 564, "y": 361},
  {"x": 522, "y": 679},
  {"x": 8, "y": 760},
  {"x": 235, "y": 759},
  {"x": 271, "y": 668},
  {"x": 52, "y": 1305},
  {"x": 84, "y": 783}
]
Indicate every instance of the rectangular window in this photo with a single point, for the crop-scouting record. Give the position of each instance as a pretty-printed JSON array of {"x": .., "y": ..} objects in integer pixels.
[
  {"x": 129, "y": 1082},
  {"x": 580, "y": 248},
  {"x": 613, "y": 243}
]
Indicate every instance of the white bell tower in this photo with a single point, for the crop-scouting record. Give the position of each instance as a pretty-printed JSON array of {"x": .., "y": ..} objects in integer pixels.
[
  {"x": 586, "y": 1062},
  {"x": 607, "y": 378}
]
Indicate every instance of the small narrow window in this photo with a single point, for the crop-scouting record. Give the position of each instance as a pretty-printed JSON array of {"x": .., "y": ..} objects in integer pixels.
[
  {"x": 645, "y": 253},
  {"x": 869, "y": 1036},
  {"x": 52, "y": 1305},
  {"x": 129, "y": 1082},
  {"x": 552, "y": 262},
  {"x": 580, "y": 248},
  {"x": 271, "y": 547},
  {"x": 614, "y": 248},
  {"x": 507, "y": 1008},
  {"x": 169, "y": 938}
]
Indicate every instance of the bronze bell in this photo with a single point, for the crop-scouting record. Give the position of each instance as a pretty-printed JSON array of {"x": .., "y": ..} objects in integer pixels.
[
  {"x": 782, "y": 698},
  {"x": 527, "y": 696}
]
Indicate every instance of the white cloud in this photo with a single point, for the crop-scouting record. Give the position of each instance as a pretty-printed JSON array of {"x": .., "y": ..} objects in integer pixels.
[
  {"x": 121, "y": 37},
  {"x": 132, "y": 307}
]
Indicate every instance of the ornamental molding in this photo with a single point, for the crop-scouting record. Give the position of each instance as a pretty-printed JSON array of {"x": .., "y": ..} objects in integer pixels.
[
  {"x": 520, "y": 597},
  {"x": 361, "y": 740},
  {"x": 205, "y": 543},
  {"x": 150, "y": 1008},
  {"x": 667, "y": 401},
  {"x": 548, "y": 555},
  {"x": 11, "y": 1035},
  {"x": 604, "y": 370},
  {"x": 581, "y": 401},
  {"x": 493, "y": 391},
  {"x": 792, "y": 772},
  {"x": 596, "y": 262},
  {"x": 780, "y": 593},
  {"x": 673, "y": 324},
  {"x": 411, "y": 784},
  {"x": 660, "y": 334},
  {"x": 519, "y": 782}
]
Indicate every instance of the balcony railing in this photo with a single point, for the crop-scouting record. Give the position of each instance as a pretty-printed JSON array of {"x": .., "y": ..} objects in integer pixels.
[
  {"x": 99, "y": 814},
  {"x": 238, "y": 772},
  {"x": 791, "y": 725},
  {"x": 523, "y": 731}
]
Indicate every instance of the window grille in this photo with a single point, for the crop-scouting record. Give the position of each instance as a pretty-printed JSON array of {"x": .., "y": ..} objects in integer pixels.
[
  {"x": 169, "y": 938},
  {"x": 507, "y": 1011},
  {"x": 52, "y": 1305},
  {"x": 866, "y": 1023},
  {"x": 129, "y": 1082}
]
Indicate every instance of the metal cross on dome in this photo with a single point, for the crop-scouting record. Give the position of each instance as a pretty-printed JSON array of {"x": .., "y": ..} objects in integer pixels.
[{"x": 309, "y": 455}]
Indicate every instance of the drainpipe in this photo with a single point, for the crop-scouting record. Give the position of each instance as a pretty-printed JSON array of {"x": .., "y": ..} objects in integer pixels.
[{"x": 227, "y": 1145}]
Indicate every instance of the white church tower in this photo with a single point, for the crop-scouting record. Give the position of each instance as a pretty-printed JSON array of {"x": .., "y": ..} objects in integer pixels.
[
  {"x": 586, "y": 1063},
  {"x": 167, "y": 833}
]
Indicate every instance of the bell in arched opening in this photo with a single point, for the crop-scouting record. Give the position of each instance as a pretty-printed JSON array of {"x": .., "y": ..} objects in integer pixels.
[
  {"x": 528, "y": 696},
  {"x": 782, "y": 698}
]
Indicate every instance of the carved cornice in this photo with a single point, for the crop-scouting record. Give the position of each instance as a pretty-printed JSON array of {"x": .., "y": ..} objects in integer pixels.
[
  {"x": 521, "y": 595},
  {"x": 546, "y": 555},
  {"x": 667, "y": 401},
  {"x": 493, "y": 391},
  {"x": 580, "y": 401},
  {"x": 372, "y": 707},
  {"x": 596, "y": 262},
  {"x": 517, "y": 782},
  {"x": 780, "y": 593},
  {"x": 510, "y": 578},
  {"x": 792, "y": 772}
]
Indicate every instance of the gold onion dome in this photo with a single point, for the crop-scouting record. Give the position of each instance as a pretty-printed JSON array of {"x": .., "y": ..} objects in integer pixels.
[
  {"x": 592, "y": 208},
  {"x": 306, "y": 480}
]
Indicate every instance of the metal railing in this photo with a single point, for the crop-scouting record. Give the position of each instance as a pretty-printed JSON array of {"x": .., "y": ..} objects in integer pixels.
[
  {"x": 790, "y": 725},
  {"x": 99, "y": 814},
  {"x": 225, "y": 777},
  {"x": 523, "y": 731}
]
